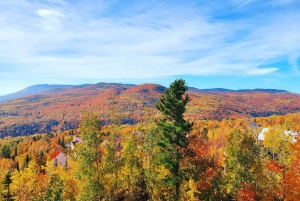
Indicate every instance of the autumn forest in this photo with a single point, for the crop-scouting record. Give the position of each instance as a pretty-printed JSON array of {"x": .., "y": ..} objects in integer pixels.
[{"x": 117, "y": 143}]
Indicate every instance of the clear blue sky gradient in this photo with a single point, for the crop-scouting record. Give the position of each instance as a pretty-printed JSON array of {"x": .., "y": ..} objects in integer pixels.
[{"x": 235, "y": 44}]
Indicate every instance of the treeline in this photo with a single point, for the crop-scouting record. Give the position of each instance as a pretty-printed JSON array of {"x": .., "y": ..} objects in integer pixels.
[{"x": 165, "y": 159}]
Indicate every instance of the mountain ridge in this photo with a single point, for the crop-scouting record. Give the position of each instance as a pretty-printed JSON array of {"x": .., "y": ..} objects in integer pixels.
[
  {"x": 61, "y": 109},
  {"x": 43, "y": 88},
  {"x": 32, "y": 90},
  {"x": 219, "y": 90}
]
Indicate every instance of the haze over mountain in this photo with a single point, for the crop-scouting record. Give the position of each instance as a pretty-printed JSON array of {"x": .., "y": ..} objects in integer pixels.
[
  {"x": 47, "y": 108},
  {"x": 32, "y": 90}
]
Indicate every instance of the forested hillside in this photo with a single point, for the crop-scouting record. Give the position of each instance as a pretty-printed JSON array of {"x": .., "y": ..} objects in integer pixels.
[
  {"x": 61, "y": 109},
  {"x": 169, "y": 159}
]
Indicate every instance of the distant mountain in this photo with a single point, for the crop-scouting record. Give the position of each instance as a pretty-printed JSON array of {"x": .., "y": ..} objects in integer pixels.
[
  {"x": 193, "y": 89},
  {"x": 32, "y": 90},
  {"x": 219, "y": 90},
  {"x": 53, "y": 108},
  {"x": 42, "y": 88},
  {"x": 263, "y": 90},
  {"x": 53, "y": 89}
]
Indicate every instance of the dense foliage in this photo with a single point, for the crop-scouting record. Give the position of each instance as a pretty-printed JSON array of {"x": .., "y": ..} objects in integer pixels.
[{"x": 157, "y": 159}]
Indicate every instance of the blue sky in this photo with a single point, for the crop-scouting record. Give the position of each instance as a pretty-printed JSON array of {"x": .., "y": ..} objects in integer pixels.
[{"x": 232, "y": 44}]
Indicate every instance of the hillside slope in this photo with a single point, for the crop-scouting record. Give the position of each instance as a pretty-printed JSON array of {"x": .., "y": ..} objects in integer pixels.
[{"x": 61, "y": 109}]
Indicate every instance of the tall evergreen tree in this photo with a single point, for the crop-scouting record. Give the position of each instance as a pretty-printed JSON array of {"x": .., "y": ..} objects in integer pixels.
[
  {"x": 5, "y": 151},
  {"x": 174, "y": 129},
  {"x": 26, "y": 162},
  {"x": 7, "y": 181}
]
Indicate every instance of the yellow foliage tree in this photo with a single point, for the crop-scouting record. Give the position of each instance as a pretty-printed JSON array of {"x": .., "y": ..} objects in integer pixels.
[{"x": 28, "y": 184}]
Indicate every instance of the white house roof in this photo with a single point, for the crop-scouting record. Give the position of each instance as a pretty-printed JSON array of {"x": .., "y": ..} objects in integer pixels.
[
  {"x": 261, "y": 135},
  {"x": 77, "y": 139}
]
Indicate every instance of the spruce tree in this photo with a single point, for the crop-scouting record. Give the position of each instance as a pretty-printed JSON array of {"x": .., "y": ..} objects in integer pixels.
[
  {"x": 174, "y": 129},
  {"x": 5, "y": 151},
  {"x": 7, "y": 181}
]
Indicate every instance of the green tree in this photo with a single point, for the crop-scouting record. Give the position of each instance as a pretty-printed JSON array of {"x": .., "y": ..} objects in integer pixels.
[
  {"x": 156, "y": 175},
  {"x": 63, "y": 142},
  {"x": 26, "y": 162},
  {"x": 5, "y": 151},
  {"x": 132, "y": 176},
  {"x": 7, "y": 181},
  {"x": 88, "y": 156},
  {"x": 242, "y": 167},
  {"x": 174, "y": 129},
  {"x": 54, "y": 190},
  {"x": 110, "y": 166}
]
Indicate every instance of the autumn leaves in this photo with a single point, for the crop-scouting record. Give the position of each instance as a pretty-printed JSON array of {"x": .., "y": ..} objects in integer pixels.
[{"x": 165, "y": 159}]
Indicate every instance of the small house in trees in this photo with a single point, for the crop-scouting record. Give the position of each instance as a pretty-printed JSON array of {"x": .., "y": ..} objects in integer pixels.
[
  {"x": 261, "y": 135},
  {"x": 59, "y": 158},
  {"x": 73, "y": 142}
]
